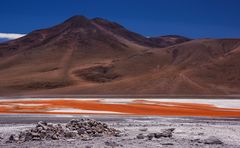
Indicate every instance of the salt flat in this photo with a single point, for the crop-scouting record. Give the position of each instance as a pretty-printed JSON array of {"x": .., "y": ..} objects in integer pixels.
[{"x": 189, "y": 131}]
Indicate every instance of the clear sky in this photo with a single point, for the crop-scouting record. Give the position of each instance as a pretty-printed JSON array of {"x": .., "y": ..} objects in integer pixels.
[{"x": 191, "y": 18}]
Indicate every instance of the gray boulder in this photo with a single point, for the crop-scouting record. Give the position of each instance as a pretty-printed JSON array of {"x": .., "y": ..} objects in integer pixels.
[
  {"x": 212, "y": 140},
  {"x": 166, "y": 133},
  {"x": 150, "y": 136},
  {"x": 140, "y": 136}
]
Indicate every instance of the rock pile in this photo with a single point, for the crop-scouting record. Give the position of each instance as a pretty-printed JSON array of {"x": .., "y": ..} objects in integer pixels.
[
  {"x": 84, "y": 129},
  {"x": 166, "y": 133}
]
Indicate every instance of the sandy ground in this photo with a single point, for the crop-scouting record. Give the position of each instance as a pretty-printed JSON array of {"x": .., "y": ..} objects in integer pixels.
[{"x": 188, "y": 131}]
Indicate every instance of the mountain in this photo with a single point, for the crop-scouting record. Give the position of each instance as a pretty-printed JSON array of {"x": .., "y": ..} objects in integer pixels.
[
  {"x": 84, "y": 56},
  {"x": 168, "y": 40},
  {"x": 119, "y": 30}
]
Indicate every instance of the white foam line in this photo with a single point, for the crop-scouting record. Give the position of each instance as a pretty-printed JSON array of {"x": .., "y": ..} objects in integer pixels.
[
  {"x": 8, "y": 106},
  {"x": 218, "y": 103},
  {"x": 21, "y": 104},
  {"x": 70, "y": 110}
]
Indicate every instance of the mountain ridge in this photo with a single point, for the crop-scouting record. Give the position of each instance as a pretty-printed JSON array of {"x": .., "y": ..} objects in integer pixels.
[{"x": 84, "y": 56}]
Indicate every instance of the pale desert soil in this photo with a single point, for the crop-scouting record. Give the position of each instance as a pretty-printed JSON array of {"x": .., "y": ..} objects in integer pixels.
[{"x": 188, "y": 132}]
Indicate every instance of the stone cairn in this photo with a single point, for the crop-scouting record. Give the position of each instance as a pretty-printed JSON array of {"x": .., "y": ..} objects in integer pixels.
[{"x": 84, "y": 129}]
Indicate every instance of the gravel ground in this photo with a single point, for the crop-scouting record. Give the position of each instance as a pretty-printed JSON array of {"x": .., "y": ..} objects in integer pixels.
[{"x": 188, "y": 133}]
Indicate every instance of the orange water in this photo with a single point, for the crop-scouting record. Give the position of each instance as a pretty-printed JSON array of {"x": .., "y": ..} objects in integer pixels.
[{"x": 135, "y": 107}]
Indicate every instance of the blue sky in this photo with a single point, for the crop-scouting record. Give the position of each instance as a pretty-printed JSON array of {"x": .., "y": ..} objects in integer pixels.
[{"x": 191, "y": 18}]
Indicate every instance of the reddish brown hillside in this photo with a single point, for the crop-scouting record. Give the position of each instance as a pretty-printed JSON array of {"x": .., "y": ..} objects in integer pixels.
[{"x": 95, "y": 57}]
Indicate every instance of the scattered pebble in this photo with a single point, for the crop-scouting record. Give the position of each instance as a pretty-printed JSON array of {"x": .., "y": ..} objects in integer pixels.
[
  {"x": 143, "y": 129},
  {"x": 111, "y": 144},
  {"x": 167, "y": 144}
]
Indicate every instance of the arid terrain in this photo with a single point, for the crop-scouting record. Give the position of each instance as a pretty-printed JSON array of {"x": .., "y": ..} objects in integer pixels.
[
  {"x": 118, "y": 132},
  {"x": 84, "y": 56}
]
